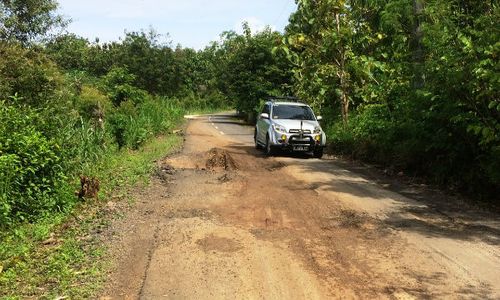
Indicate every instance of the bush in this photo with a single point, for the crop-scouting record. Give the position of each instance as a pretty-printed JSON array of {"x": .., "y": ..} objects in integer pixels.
[
  {"x": 368, "y": 135},
  {"x": 118, "y": 83},
  {"x": 340, "y": 139},
  {"x": 92, "y": 104},
  {"x": 420, "y": 142},
  {"x": 31, "y": 167},
  {"x": 210, "y": 101},
  {"x": 29, "y": 74},
  {"x": 69, "y": 51}
]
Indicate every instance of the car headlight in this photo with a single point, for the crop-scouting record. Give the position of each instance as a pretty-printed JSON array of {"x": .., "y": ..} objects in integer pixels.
[
  {"x": 317, "y": 129},
  {"x": 279, "y": 128}
]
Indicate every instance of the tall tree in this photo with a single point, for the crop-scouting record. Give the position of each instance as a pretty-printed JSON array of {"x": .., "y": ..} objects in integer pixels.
[
  {"x": 26, "y": 21},
  {"x": 321, "y": 41},
  {"x": 250, "y": 70}
]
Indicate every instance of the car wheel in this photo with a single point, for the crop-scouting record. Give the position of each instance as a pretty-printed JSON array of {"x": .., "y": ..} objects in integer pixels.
[
  {"x": 318, "y": 153},
  {"x": 269, "y": 147},
  {"x": 257, "y": 145}
]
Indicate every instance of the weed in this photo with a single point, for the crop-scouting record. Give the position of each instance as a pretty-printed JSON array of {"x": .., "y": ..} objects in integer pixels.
[{"x": 60, "y": 256}]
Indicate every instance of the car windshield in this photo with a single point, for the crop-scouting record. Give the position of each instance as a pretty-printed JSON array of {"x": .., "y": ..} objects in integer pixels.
[{"x": 293, "y": 112}]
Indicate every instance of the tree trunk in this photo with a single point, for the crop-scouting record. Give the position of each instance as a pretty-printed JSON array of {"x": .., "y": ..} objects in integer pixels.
[
  {"x": 344, "y": 98},
  {"x": 417, "y": 48}
]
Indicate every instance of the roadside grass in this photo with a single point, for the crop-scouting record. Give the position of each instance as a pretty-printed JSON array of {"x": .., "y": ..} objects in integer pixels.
[
  {"x": 208, "y": 110},
  {"x": 61, "y": 256},
  {"x": 133, "y": 166}
]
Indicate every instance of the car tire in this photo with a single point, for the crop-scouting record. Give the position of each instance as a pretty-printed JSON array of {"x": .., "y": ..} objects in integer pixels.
[
  {"x": 269, "y": 148},
  {"x": 257, "y": 145},
  {"x": 318, "y": 153}
]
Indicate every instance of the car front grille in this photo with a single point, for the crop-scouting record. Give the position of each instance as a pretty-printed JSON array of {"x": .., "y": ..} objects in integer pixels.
[
  {"x": 297, "y": 140},
  {"x": 304, "y": 131}
]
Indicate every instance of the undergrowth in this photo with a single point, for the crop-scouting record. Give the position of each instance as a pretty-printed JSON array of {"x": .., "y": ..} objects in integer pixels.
[{"x": 61, "y": 255}]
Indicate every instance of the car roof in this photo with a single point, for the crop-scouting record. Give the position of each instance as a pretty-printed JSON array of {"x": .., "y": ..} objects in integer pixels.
[{"x": 288, "y": 103}]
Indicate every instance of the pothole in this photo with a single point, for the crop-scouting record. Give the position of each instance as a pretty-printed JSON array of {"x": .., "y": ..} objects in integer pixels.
[
  {"x": 165, "y": 172},
  {"x": 224, "y": 178},
  {"x": 203, "y": 214},
  {"x": 347, "y": 218},
  {"x": 275, "y": 166},
  {"x": 219, "y": 159},
  {"x": 219, "y": 244}
]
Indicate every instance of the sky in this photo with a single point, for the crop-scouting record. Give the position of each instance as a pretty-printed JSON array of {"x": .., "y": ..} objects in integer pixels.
[{"x": 191, "y": 23}]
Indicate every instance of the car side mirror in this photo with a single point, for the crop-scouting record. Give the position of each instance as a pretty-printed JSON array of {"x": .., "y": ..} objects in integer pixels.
[
  {"x": 264, "y": 115},
  {"x": 319, "y": 118}
]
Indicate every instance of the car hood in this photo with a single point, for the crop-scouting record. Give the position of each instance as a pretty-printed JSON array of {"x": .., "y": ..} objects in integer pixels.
[{"x": 295, "y": 124}]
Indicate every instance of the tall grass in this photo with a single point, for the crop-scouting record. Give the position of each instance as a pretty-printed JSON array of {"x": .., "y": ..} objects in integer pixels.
[
  {"x": 153, "y": 117},
  {"x": 28, "y": 268},
  {"x": 73, "y": 267}
]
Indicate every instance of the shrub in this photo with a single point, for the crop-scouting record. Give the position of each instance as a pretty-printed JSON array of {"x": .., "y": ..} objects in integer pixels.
[
  {"x": 29, "y": 74},
  {"x": 31, "y": 168},
  {"x": 119, "y": 120},
  {"x": 118, "y": 83},
  {"x": 92, "y": 104},
  {"x": 208, "y": 101}
]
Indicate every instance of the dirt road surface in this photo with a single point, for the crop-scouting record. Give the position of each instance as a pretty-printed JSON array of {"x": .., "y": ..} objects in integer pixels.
[{"x": 222, "y": 221}]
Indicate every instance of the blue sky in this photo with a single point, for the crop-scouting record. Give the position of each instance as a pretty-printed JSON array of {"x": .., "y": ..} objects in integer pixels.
[{"x": 192, "y": 23}]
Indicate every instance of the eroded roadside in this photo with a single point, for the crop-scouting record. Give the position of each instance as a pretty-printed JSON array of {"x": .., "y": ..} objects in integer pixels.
[{"x": 222, "y": 221}]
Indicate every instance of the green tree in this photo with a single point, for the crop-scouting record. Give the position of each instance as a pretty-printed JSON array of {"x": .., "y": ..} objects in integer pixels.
[
  {"x": 28, "y": 73},
  {"x": 118, "y": 83},
  {"x": 329, "y": 42},
  {"x": 151, "y": 61},
  {"x": 419, "y": 80},
  {"x": 249, "y": 71},
  {"x": 26, "y": 21},
  {"x": 69, "y": 51}
]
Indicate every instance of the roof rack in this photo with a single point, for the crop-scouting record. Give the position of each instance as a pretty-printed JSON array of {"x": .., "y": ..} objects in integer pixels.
[{"x": 288, "y": 98}]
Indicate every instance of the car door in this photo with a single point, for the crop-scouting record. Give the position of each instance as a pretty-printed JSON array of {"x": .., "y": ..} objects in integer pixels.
[{"x": 263, "y": 124}]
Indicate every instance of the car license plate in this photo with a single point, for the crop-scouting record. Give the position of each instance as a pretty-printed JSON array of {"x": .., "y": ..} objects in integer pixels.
[{"x": 300, "y": 148}]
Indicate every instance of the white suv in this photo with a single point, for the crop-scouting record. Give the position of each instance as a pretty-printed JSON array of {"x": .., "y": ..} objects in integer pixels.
[{"x": 290, "y": 126}]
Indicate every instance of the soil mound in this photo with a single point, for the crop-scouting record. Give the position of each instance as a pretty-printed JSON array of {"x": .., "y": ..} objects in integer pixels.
[
  {"x": 219, "y": 159},
  {"x": 165, "y": 172}
]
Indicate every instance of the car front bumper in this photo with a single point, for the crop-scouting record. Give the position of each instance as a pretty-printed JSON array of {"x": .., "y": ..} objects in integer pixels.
[{"x": 298, "y": 142}]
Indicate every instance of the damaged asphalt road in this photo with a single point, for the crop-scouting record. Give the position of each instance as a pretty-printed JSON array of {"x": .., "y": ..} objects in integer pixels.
[{"x": 222, "y": 221}]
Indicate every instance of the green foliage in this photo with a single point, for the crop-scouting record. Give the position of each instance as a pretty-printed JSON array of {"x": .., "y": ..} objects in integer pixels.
[
  {"x": 69, "y": 52},
  {"x": 55, "y": 127},
  {"x": 85, "y": 144},
  {"x": 249, "y": 71},
  {"x": 93, "y": 104},
  {"x": 30, "y": 166},
  {"x": 133, "y": 126},
  {"x": 403, "y": 84},
  {"x": 74, "y": 267},
  {"x": 28, "y": 74},
  {"x": 101, "y": 58},
  {"x": 118, "y": 83},
  {"x": 150, "y": 61},
  {"x": 66, "y": 108},
  {"x": 28, "y": 20},
  {"x": 209, "y": 101},
  {"x": 420, "y": 78}
]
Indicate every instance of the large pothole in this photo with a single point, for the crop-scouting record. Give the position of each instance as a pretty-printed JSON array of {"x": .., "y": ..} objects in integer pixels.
[{"x": 220, "y": 160}]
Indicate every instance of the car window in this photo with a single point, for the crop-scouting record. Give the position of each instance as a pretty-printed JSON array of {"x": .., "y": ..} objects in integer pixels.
[
  {"x": 266, "y": 109},
  {"x": 293, "y": 112}
]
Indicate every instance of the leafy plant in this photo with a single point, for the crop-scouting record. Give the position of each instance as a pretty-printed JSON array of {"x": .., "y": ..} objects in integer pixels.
[{"x": 31, "y": 166}]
